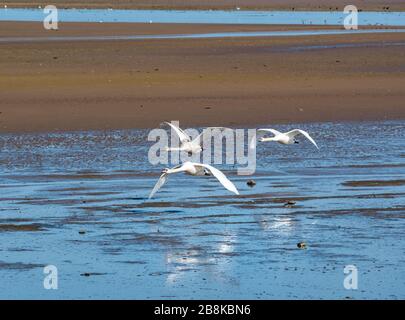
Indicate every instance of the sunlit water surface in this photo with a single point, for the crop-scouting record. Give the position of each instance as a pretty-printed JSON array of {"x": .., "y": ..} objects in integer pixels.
[{"x": 79, "y": 201}]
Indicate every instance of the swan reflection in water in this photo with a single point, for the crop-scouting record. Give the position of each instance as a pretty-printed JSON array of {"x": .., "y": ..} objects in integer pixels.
[
  {"x": 280, "y": 224},
  {"x": 213, "y": 261}
]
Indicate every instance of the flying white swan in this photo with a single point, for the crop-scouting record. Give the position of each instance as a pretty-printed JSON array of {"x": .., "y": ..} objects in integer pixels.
[
  {"x": 283, "y": 138},
  {"x": 194, "y": 169},
  {"x": 186, "y": 144}
]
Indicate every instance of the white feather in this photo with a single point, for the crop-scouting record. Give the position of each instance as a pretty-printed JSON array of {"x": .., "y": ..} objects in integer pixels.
[
  {"x": 182, "y": 135},
  {"x": 162, "y": 180},
  {"x": 220, "y": 176},
  {"x": 295, "y": 132}
]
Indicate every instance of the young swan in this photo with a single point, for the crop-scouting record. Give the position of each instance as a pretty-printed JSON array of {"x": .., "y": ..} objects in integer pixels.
[
  {"x": 186, "y": 143},
  {"x": 283, "y": 138},
  {"x": 194, "y": 169}
]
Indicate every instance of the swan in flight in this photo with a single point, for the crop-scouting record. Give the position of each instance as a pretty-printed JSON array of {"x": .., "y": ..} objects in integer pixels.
[
  {"x": 194, "y": 169},
  {"x": 283, "y": 138},
  {"x": 186, "y": 144}
]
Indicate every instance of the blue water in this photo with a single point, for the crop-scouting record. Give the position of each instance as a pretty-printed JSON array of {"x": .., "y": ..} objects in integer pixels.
[
  {"x": 195, "y": 239},
  {"x": 200, "y": 16}
]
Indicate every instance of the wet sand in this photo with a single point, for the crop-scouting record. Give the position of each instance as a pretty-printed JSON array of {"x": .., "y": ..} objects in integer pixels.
[
  {"x": 35, "y": 29},
  {"x": 375, "y": 183},
  {"x": 220, "y": 4},
  {"x": 126, "y": 84}
]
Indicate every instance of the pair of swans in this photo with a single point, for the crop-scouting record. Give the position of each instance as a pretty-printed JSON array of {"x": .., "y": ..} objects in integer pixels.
[
  {"x": 199, "y": 169},
  {"x": 191, "y": 146}
]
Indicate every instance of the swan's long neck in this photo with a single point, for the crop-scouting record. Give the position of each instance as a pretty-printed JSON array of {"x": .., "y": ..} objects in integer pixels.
[
  {"x": 176, "y": 170},
  {"x": 269, "y": 139}
]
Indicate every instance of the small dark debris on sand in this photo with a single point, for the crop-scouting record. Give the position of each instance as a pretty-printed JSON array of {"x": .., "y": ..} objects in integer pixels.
[
  {"x": 301, "y": 245},
  {"x": 251, "y": 183}
]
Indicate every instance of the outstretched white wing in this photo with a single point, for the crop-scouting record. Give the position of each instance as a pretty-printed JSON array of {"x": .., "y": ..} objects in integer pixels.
[
  {"x": 182, "y": 135},
  {"x": 259, "y": 133},
  {"x": 275, "y": 132},
  {"x": 220, "y": 176},
  {"x": 197, "y": 140},
  {"x": 294, "y": 132},
  {"x": 162, "y": 180}
]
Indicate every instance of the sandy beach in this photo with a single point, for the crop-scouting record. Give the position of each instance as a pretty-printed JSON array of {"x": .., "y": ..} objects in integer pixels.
[{"x": 70, "y": 85}]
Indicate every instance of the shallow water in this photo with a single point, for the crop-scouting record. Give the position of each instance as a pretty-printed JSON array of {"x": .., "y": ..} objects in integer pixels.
[
  {"x": 206, "y": 16},
  {"x": 78, "y": 201},
  {"x": 295, "y": 33}
]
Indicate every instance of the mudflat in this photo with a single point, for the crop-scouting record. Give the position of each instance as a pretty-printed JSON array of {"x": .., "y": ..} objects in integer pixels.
[
  {"x": 113, "y": 84},
  {"x": 86, "y": 194}
]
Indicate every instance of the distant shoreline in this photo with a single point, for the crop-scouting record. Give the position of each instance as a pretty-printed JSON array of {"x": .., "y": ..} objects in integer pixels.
[{"x": 287, "y": 5}]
